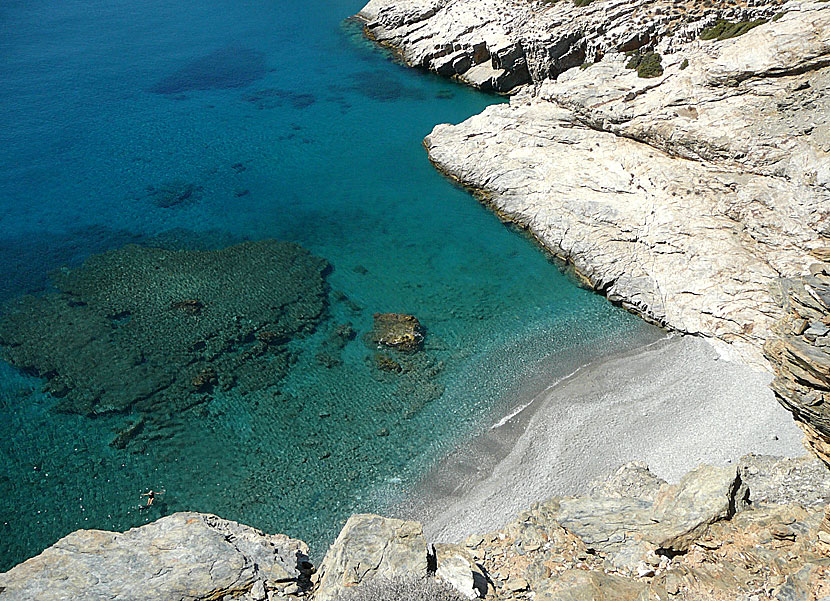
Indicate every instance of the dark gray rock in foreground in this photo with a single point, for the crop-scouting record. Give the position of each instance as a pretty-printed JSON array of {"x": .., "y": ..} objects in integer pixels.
[{"x": 187, "y": 556}]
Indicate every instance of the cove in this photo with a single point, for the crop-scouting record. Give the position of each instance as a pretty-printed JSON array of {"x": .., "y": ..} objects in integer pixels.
[{"x": 193, "y": 128}]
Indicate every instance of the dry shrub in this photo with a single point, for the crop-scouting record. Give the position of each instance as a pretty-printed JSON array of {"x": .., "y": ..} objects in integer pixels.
[{"x": 410, "y": 588}]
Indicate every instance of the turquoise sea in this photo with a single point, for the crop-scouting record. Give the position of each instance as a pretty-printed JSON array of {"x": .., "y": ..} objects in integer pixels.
[{"x": 193, "y": 125}]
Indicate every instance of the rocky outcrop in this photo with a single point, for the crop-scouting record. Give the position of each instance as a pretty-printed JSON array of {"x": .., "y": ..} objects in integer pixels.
[
  {"x": 455, "y": 566},
  {"x": 597, "y": 547},
  {"x": 631, "y": 530},
  {"x": 501, "y": 44},
  {"x": 187, "y": 556},
  {"x": 371, "y": 547},
  {"x": 397, "y": 331},
  {"x": 633, "y": 537},
  {"x": 684, "y": 197},
  {"x": 800, "y": 355}
]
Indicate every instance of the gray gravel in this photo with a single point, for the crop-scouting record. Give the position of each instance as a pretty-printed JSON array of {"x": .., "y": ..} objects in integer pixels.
[{"x": 673, "y": 405}]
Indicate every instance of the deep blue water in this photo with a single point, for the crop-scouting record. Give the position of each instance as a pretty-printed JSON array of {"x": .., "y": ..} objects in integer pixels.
[{"x": 211, "y": 123}]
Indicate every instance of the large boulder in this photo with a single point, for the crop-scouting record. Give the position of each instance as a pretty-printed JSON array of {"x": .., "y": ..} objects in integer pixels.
[
  {"x": 397, "y": 331},
  {"x": 456, "y": 566},
  {"x": 702, "y": 497},
  {"x": 187, "y": 556},
  {"x": 368, "y": 547},
  {"x": 630, "y": 531}
]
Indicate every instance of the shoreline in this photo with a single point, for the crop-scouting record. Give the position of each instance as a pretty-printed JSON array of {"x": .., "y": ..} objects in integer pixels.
[
  {"x": 672, "y": 213},
  {"x": 672, "y": 404}
]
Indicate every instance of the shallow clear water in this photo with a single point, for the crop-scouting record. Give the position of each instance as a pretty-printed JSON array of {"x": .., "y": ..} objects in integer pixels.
[{"x": 267, "y": 120}]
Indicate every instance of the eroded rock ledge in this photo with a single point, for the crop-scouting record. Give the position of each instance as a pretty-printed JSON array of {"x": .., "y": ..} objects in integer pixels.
[{"x": 720, "y": 533}]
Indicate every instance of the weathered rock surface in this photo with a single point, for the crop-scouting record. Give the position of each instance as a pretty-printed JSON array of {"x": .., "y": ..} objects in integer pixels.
[
  {"x": 800, "y": 356},
  {"x": 729, "y": 105},
  {"x": 501, "y": 44},
  {"x": 629, "y": 529},
  {"x": 369, "y": 547},
  {"x": 630, "y": 480},
  {"x": 187, "y": 556},
  {"x": 804, "y": 480},
  {"x": 655, "y": 191},
  {"x": 695, "y": 540},
  {"x": 455, "y": 566},
  {"x": 769, "y": 550}
]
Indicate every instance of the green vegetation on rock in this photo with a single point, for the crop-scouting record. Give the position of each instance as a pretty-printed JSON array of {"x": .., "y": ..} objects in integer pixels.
[
  {"x": 684, "y": 64},
  {"x": 723, "y": 29},
  {"x": 582, "y": 2},
  {"x": 648, "y": 64}
]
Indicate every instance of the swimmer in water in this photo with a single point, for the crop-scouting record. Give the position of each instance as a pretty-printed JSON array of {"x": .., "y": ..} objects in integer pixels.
[{"x": 151, "y": 496}]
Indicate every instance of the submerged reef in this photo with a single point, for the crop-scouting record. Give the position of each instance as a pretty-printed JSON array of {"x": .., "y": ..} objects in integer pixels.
[
  {"x": 229, "y": 67},
  {"x": 174, "y": 194},
  {"x": 151, "y": 329}
]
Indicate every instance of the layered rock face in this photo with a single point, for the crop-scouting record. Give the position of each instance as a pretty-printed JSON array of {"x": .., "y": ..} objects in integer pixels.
[
  {"x": 632, "y": 537},
  {"x": 800, "y": 356},
  {"x": 683, "y": 197},
  {"x": 501, "y": 44}
]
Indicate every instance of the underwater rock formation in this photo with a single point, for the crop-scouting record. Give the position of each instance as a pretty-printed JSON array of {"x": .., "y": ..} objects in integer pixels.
[
  {"x": 229, "y": 67},
  {"x": 174, "y": 194},
  {"x": 399, "y": 360},
  {"x": 398, "y": 331},
  {"x": 152, "y": 329}
]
